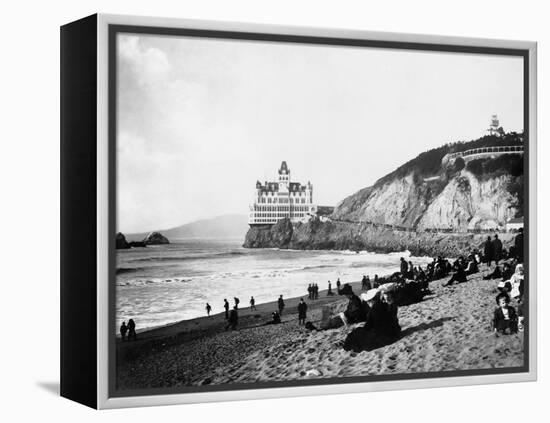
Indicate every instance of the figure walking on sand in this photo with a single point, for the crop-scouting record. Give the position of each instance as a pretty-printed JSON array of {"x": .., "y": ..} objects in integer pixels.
[
  {"x": 237, "y": 301},
  {"x": 252, "y": 304},
  {"x": 226, "y": 306},
  {"x": 281, "y": 304},
  {"x": 208, "y": 309},
  {"x": 338, "y": 283},
  {"x": 302, "y": 312},
  {"x": 132, "y": 330},
  {"x": 123, "y": 330}
]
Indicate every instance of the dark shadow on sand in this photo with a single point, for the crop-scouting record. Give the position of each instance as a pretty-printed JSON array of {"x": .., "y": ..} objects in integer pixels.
[
  {"x": 51, "y": 387},
  {"x": 425, "y": 326}
]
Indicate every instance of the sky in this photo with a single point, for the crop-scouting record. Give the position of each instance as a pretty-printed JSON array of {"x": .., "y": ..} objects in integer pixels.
[{"x": 199, "y": 120}]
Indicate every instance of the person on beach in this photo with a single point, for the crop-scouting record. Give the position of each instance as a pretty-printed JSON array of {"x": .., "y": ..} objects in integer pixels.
[
  {"x": 316, "y": 291},
  {"x": 365, "y": 283},
  {"x": 354, "y": 312},
  {"x": 404, "y": 267},
  {"x": 208, "y": 309},
  {"x": 381, "y": 326},
  {"x": 376, "y": 282},
  {"x": 471, "y": 267},
  {"x": 518, "y": 246},
  {"x": 275, "y": 319},
  {"x": 123, "y": 330},
  {"x": 233, "y": 319},
  {"x": 237, "y": 301},
  {"x": 310, "y": 291},
  {"x": 460, "y": 274},
  {"x": 226, "y": 307},
  {"x": 302, "y": 312},
  {"x": 252, "y": 304},
  {"x": 329, "y": 292},
  {"x": 488, "y": 251},
  {"x": 281, "y": 304},
  {"x": 497, "y": 249},
  {"x": 338, "y": 283},
  {"x": 495, "y": 274},
  {"x": 505, "y": 320},
  {"x": 132, "y": 336},
  {"x": 410, "y": 271}
]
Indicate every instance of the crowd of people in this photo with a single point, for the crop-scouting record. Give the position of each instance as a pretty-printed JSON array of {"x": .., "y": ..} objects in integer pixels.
[{"x": 377, "y": 306}]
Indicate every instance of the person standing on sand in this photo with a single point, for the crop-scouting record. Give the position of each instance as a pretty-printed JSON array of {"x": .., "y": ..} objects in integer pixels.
[
  {"x": 316, "y": 291},
  {"x": 329, "y": 293},
  {"x": 132, "y": 330},
  {"x": 237, "y": 301},
  {"x": 281, "y": 304},
  {"x": 208, "y": 309},
  {"x": 252, "y": 304},
  {"x": 123, "y": 330},
  {"x": 338, "y": 283},
  {"x": 233, "y": 319},
  {"x": 309, "y": 291},
  {"x": 488, "y": 251},
  {"x": 302, "y": 312},
  {"x": 226, "y": 306},
  {"x": 497, "y": 249}
]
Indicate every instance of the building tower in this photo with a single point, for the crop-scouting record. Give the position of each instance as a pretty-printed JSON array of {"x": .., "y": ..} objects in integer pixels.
[{"x": 494, "y": 126}]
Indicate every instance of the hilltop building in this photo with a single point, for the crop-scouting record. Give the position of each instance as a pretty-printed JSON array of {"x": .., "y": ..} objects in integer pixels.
[{"x": 274, "y": 201}]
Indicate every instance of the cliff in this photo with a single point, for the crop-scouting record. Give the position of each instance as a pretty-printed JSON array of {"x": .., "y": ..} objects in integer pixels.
[
  {"x": 434, "y": 204},
  {"x": 155, "y": 238}
]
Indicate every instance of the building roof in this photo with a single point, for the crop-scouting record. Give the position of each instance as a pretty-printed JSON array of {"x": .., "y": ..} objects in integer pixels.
[{"x": 284, "y": 170}]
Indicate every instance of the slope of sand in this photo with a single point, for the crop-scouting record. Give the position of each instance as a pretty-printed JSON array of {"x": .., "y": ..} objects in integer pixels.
[{"x": 448, "y": 330}]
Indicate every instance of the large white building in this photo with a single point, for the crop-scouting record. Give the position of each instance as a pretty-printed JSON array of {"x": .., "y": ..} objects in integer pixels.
[{"x": 274, "y": 201}]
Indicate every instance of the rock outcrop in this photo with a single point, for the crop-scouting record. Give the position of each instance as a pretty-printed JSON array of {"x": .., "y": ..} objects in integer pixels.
[
  {"x": 155, "y": 238},
  {"x": 120, "y": 242},
  {"x": 427, "y": 206}
]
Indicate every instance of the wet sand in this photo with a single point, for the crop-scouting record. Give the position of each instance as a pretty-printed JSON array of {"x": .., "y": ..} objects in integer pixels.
[{"x": 449, "y": 330}]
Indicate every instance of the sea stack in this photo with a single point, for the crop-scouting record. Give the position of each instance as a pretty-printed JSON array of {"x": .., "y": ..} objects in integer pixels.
[
  {"x": 155, "y": 238},
  {"x": 120, "y": 242}
]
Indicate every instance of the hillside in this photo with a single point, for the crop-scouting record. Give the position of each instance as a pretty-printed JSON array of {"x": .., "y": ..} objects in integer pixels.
[
  {"x": 221, "y": 227},
  {"x": 432, "y": 204},
  {"x": 429, "y": 192}
]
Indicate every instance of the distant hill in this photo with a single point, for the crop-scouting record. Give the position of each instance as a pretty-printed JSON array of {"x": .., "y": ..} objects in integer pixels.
[{"x": 226, "y": 226}]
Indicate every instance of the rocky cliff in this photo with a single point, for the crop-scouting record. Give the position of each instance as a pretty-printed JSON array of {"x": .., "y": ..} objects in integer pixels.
[{"x": 429, "y": 205}]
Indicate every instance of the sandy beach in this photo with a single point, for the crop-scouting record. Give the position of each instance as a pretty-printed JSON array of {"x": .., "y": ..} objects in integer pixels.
[{"x": 449, "y": 330}]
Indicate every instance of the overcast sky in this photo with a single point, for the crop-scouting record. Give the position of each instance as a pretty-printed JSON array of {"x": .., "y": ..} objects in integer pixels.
[{"x": 200, "y": 120}]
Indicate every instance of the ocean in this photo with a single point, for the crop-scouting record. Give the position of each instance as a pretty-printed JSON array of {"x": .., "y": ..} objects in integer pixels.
[{"x": 163, "y": 284}]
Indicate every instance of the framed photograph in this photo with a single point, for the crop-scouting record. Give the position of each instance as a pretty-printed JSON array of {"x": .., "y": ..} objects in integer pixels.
[{"x": 253, "y": 211}]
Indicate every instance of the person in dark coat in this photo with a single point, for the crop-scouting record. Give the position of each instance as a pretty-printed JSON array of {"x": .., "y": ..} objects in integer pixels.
[
  {"x": 375, "y": 282},
  {"x": 329, "y": 293},
  {"x": 132, "y": 330},
  {"x": 404, "y": 267},
  {"x": 497, "y": 249},
  {"x": 459, "y": 276},
  {"x": 281, "y": 304},
  {"x": 208, "y": 309},
  {"x": 226, "y": 306},
  {"x": 275, "y": 319},
  {"x": 302, "y": 312},
  {"x": 518, "y": 246},
  {"x": 233, "y": 319},
  {"x": 310, "y": 291},
  {"x": 252, "y": 304},
  {"x": 381, "y": 326},
  {"x": 338, "y": 284},
  {"x": 505, "y": 319},
  {"x": 354, "y": 312},
  {"x": 123, "y": 331},
  {"x": 488, "y": 251},
  {"x": 237, "y": 301}
]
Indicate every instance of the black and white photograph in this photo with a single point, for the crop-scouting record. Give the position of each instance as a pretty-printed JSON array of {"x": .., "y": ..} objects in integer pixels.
[{"x": 294, "y": 211}]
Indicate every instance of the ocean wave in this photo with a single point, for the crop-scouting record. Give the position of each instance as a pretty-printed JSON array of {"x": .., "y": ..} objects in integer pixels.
[{"x": 189, "y": 257}]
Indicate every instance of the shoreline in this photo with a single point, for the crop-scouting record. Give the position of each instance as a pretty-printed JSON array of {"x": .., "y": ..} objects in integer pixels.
[{"x": 448, "y": 330}]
